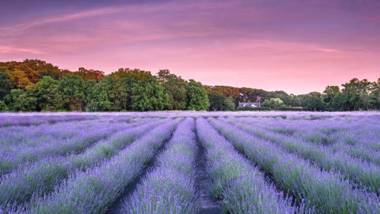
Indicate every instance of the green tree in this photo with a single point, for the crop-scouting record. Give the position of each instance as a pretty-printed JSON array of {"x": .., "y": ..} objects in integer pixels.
[
  {"x": 129, "y": 90},
  {"x": 197, "y": 98},
  {"x": 124, "y": 81},
  {"x": 74, "y": 92},
  {"x": 120, "y": 96},
  {"x": 102, "y": 96},
  {"x": 374, "y": 97},
  {"x": 5, "y": 84},
  {"x": 229, "y": 104},
  {"x": 295, "y": 101},
  {"x": 330, "y": 93},
  {"x": 218, "y": 102},
  {"x": 356, "y": 95},
  {"x": 3, "y": 106},
  {"x": 148, "y": 95},
  {"x": 332, "y": 97},
  {"x": 176, "y": 89},
  {"x": 20, "y": 100},
  {"x": 286, "y": 98},
  {"x": 48, "y": 97},
  {"x": 313, "y": 101},
  {"x": 273, "y": 103}
]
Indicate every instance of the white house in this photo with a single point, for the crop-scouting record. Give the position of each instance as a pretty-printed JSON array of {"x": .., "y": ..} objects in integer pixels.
[{"x": 249, "y": 104}]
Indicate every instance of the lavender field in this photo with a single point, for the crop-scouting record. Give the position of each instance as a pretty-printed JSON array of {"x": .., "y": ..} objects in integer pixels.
[{"x": 190, "y": 162}]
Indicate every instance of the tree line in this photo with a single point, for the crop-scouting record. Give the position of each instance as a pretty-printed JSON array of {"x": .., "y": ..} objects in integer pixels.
[{"x": 35, "y": 85}]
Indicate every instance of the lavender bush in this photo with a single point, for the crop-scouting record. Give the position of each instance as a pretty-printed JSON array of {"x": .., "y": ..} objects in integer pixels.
[
  {"x": 233, "y": 162},
  {"x": 95, "y": 190},
  {"x": 169, "y": 188},
  {"x": 86, "y": 137},
  {"x": 242, "y": 187},
  {"x": 327, "y": 192},
  {"x": 359, "y": 171},
  {"x": 15, "y": 120},
  {"x": 41, "y": 177}
]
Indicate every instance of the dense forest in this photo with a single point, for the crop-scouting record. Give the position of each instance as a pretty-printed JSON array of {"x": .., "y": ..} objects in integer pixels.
[{"x": 35, "y": 85}]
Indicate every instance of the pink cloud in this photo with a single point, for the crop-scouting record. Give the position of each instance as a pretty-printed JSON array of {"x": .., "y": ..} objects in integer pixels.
[
  {"x": 231, "y": 43},
  {"x": 15, "y": 50},
  {"x": 60, "y": 18}
]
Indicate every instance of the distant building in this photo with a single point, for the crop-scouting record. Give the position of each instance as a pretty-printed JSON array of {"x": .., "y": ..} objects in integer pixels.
[{"x": 249, "y": 105}]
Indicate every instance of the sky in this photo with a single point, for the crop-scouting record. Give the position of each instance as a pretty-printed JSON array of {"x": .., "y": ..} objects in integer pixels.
[{"x": 293, "y": 45}]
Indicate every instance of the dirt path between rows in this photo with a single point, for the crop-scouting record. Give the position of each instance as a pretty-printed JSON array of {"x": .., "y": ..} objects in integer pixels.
[
  {"x": 128, "y": 191},
  {"x": 208, "y": 205}
]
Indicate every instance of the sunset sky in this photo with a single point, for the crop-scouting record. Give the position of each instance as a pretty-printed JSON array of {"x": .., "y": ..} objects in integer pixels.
[{"x": 293, "y": 45}]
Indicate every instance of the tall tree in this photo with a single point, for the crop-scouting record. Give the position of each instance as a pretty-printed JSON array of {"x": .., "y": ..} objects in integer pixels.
[
  {"x": 5, "y": 84},
  {"x": 137, "y": 90},
  {"x": 74, "y": 92},
  {"x": 285, "y": 97},
  {"x": 219, "y": 102},
  {"x": 330, "y": 93},
  {"x": 176, "y": 89},
  {"x": 197, "y": 98},
  {"x": 3, "y": 106},
  {"x": 332, "y": 97},
  {"x": 102, "y": 96},
  {"x": 46, "y": 92},
  {"x": 374, "y": 97},
  {"x": 273, "y": 103},
  {"x": 313, "y": 101},
  {"x": 148, "y": 95},
  {"x": 20, "y": 100},
  {"x": 356, "y": 94}
]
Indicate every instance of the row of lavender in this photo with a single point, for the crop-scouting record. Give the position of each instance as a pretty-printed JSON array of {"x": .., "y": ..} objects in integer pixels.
[
  {"x": 24, "y": 145},
  {"x": 33, "y": 168},
  {"x": 29, "y": 120},
  {"x": 170, "y": 186},
  {"x": 365, "y": 173},
  {"x": 255, "y": 165},
  {"x": 324, "y": 190}
]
